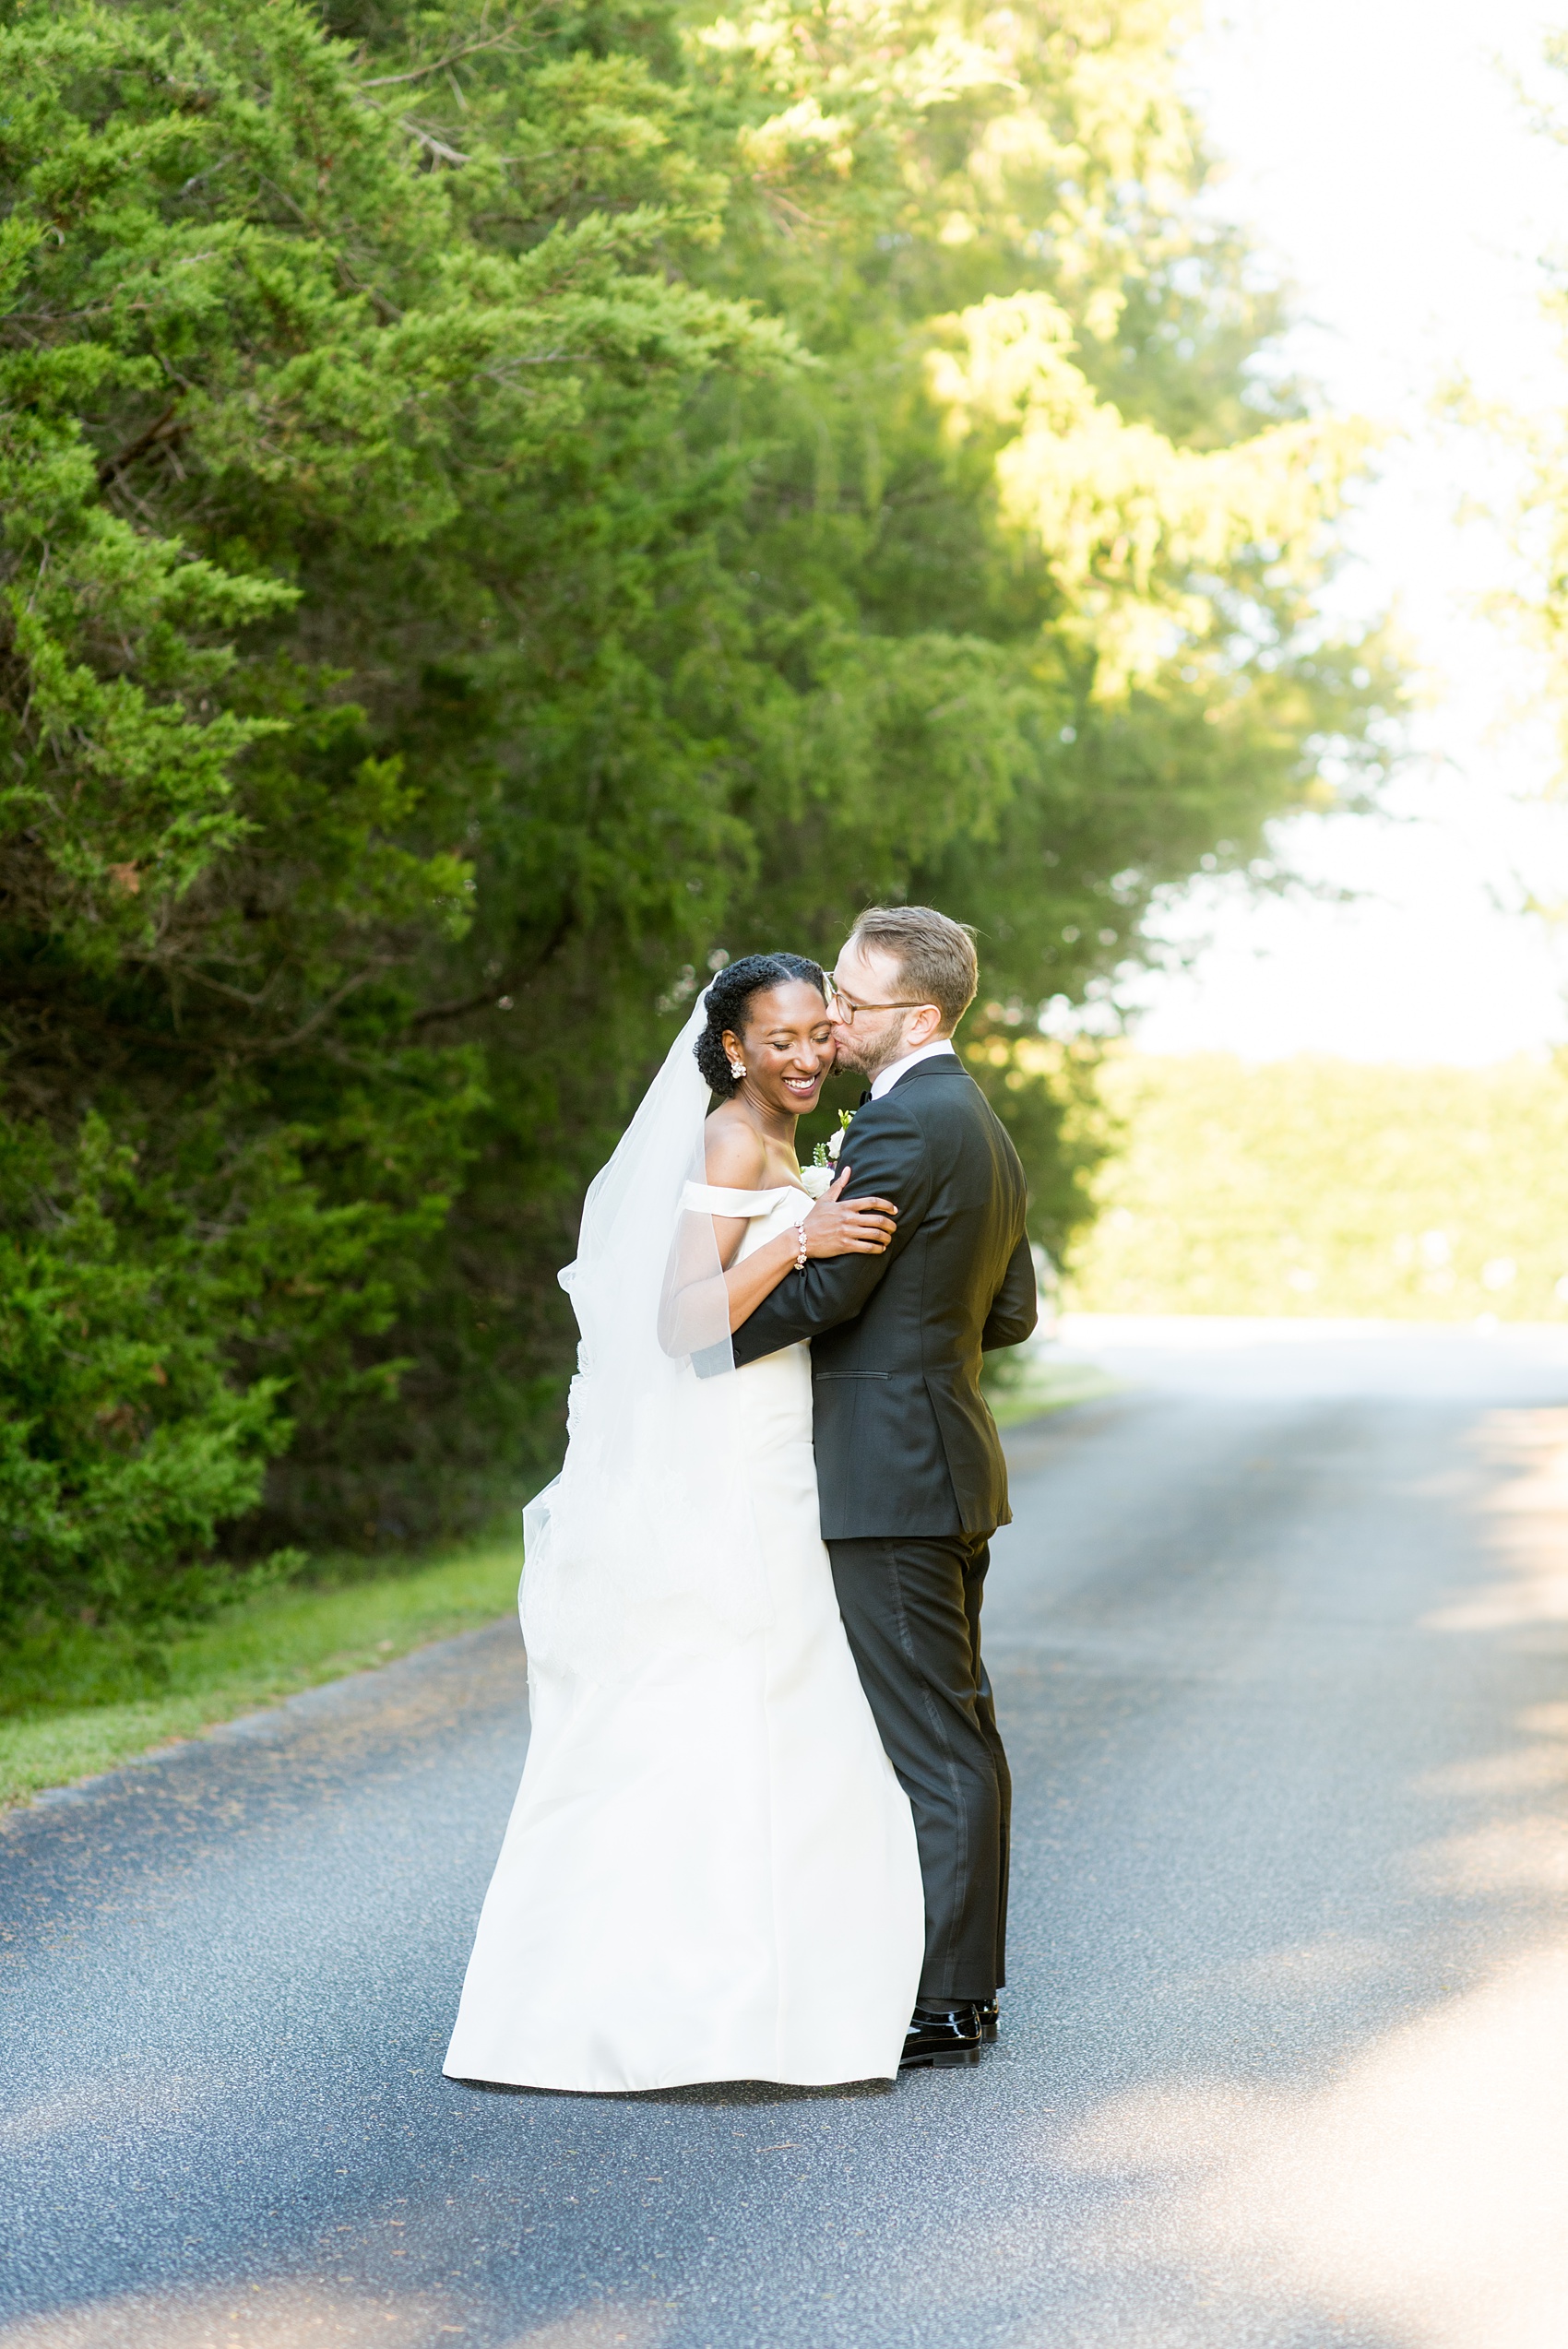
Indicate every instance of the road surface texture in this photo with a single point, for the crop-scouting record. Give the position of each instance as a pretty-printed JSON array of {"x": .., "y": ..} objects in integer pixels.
[{"x": 1280, "y": 1645}]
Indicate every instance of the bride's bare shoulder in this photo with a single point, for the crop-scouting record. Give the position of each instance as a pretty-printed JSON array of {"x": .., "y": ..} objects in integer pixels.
[{"x": 736, "y": 1154}]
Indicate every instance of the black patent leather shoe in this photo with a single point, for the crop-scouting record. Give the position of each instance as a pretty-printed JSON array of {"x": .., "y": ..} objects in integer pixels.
[
  {"x": 989, "y": 2016},
  {"x": 942, "y": 2039}
]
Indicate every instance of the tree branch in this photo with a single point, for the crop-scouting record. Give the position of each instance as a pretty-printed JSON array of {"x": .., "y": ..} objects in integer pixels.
[
  {"x": 505, "y": 985},
  {"x": 437, "y": 146},
  {"x": 157, "y": 431},
  {"x": 440, "y": 65},
  {"x": 377, "y": 964}
]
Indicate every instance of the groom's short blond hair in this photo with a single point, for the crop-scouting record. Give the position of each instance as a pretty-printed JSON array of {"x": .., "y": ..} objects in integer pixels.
[{"x": 936, "y": 958}]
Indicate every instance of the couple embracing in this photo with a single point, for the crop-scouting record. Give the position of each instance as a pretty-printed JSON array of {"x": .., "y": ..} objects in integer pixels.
[{"x": 761, "y": 1830}]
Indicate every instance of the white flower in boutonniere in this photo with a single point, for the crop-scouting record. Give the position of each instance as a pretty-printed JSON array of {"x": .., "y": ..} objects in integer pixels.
[{"x": 825, "y": 1158}]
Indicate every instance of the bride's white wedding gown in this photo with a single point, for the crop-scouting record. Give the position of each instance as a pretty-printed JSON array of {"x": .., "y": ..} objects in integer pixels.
[{"x": 710, "y": 1871}]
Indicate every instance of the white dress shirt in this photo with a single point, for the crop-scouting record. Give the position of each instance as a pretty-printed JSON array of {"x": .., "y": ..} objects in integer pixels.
[{"x": 885, "y": 1079}]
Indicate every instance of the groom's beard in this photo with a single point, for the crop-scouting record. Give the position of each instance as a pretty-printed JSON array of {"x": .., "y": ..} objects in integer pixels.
[
  {"x": 865, "y": 1060},
  {"x": 848, "y": 1060}
]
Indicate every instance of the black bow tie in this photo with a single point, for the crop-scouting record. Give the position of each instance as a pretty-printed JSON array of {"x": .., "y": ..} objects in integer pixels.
[{"x": 865, "y": 1096}]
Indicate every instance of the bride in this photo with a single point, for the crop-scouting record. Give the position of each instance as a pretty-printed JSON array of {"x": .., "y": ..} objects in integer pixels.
[{"x": 710, "y": 1871}]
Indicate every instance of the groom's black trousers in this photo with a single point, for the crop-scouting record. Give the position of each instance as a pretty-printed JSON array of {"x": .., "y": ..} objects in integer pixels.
[{"x": 911, "y": 1606}]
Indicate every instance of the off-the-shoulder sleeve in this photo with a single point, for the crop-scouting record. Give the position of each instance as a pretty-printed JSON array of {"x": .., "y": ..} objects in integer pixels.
[{"x": 709, "y": 1199}]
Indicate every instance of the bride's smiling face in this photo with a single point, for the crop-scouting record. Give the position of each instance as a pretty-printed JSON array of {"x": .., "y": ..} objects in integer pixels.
[{"x": 786, "y": 1049}]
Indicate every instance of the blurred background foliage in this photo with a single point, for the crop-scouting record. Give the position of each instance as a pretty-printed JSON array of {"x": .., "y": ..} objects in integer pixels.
[
  {"x": 504, "y": 508},
  {"x": 1322, "y": 1186}
]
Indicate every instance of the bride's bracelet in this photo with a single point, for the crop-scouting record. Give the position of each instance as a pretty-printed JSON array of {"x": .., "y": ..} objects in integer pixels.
[{"x": 801, "y": 1235}]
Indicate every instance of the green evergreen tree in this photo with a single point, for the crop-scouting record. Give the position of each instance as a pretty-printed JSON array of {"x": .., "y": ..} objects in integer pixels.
[{"x": 501, "y": 510}]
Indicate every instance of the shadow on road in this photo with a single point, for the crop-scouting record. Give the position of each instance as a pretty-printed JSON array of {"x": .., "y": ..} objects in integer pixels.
[{"x": 1279, "y": 1652}]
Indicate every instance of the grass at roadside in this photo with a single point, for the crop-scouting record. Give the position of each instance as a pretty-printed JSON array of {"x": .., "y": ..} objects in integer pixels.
[
  {"x": 1035, "y": 1383},
  {"x": 271, "y": 1647},
  {"x": 1316, "y": 1186}
]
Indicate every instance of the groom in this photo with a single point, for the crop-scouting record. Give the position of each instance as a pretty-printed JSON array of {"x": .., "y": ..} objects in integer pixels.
[{"x": 910, "y": 1468}]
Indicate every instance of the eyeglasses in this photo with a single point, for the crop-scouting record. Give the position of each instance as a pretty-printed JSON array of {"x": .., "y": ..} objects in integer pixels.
[{"x": 842, "y": 1009}]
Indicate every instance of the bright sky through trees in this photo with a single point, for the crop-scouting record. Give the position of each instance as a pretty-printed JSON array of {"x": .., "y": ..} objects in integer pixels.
[{"x": 1377, "y": 149}]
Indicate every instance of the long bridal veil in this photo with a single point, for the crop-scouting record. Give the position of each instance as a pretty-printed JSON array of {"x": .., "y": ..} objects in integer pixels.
[{"x": 646, "y": 1535}]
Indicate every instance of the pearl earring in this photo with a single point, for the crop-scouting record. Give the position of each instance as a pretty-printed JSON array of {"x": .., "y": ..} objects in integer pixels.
[{"x": 737, "y": 1068}]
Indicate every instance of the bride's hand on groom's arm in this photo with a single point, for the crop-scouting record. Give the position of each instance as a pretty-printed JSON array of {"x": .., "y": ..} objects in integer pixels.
[
  {"x": 840, "y": 1226},
  {"x": 835, "y": 1227}
]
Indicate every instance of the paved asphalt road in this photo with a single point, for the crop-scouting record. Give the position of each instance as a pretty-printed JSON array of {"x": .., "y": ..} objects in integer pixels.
[{"x": 1279, "y": 1642}]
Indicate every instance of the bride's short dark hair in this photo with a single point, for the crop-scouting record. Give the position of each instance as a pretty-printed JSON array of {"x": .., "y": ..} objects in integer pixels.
[{"x": 728, "y": 996}]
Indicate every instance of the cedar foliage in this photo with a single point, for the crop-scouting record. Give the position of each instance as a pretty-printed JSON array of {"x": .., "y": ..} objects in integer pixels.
[{"x": 502, "y": 507}]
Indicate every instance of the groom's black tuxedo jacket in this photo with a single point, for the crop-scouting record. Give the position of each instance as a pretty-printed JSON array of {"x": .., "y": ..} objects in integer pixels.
[{"x": 904, "y": 1444}]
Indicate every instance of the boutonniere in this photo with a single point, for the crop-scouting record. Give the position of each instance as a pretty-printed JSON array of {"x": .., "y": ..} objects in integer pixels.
[{"x": 825, "y": 1157}]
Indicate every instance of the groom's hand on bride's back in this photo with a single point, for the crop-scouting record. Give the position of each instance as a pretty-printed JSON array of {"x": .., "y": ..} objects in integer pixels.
[{"x": 840, "y": 1226}]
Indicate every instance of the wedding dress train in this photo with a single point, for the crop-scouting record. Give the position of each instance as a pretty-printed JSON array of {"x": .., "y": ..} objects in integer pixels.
[{"x": 710, "y": 1871}]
